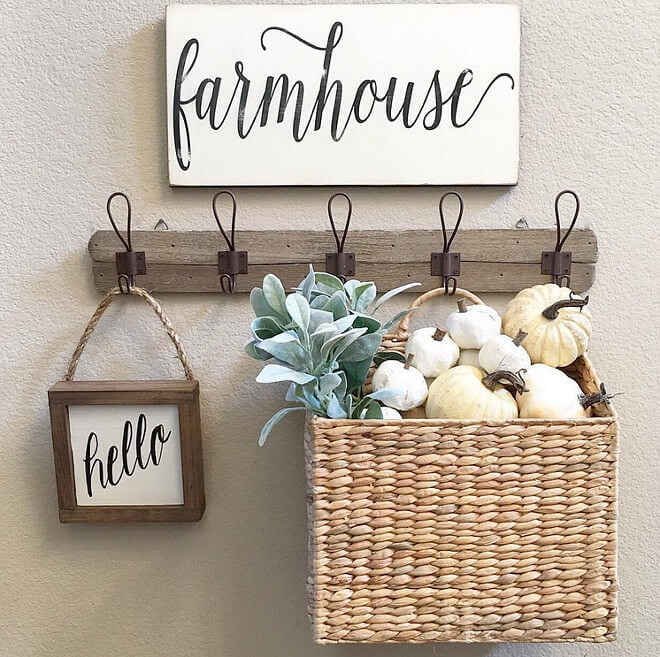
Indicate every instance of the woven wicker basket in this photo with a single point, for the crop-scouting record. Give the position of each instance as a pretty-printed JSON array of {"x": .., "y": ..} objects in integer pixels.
[{"x": 455, "y": 530}]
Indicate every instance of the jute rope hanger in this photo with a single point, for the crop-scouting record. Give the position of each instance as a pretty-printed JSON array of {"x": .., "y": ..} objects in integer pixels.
[{"x": 100, "y": 310}]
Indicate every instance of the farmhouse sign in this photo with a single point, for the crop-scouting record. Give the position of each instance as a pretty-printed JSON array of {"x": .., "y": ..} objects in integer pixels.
[{"x": 343, "y": 94}]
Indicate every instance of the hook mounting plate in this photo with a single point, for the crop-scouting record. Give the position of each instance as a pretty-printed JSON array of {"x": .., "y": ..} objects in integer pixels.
[
  {"x": 131, "y": 263},
  {"x": 445, "y": 264},
  {"x": 340, "y": 264},
  {"x": 232, "y": 262},
  {"x": 556, "y": 263}
]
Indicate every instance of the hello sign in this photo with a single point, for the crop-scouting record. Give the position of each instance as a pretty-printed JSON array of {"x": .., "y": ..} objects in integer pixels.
[
  {"x": 127, "y": 451},
  {"x": 343, "y": 94}
]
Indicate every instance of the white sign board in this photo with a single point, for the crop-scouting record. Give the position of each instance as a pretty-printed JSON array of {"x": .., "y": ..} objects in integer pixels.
[
  {"x": 343, "y": 94},
  {"x": 126, "y": 455}
]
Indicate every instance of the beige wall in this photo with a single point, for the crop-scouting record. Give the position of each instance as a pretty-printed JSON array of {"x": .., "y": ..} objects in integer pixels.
[{"x": 83, "y": 108}]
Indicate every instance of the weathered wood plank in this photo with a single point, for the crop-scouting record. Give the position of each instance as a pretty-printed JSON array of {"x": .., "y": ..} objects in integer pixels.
[
  {"x": 475, "y": 276},
  {"x": 274, "y": 247}
]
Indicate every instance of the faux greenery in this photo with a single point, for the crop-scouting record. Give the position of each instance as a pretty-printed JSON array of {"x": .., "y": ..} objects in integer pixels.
[{"x": 323, "y": 337}]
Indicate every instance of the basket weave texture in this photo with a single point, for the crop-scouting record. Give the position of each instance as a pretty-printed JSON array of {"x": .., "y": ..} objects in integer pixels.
[{"x": 455, "y": 530}]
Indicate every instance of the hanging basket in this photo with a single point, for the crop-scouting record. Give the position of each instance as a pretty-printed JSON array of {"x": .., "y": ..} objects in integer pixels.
[{"x": 456, "y": 530}]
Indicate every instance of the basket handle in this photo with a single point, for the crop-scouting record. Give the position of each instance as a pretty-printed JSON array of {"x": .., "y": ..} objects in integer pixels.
[
  {"x": 98, "y": 313},
  {"x": 402, "y": 330}
]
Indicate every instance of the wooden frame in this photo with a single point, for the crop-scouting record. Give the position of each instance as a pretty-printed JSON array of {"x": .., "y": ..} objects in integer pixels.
[
  {"x": 492, "y": 260},
  {"x": 183, "y": 394}
]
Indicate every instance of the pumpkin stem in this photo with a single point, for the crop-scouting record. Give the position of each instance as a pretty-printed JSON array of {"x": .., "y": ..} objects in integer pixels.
[
  {"x": 552, "y": 312},
  {"x": 409, "y": 360},
  {"x": 439, "y": 334},
  {"x": 600, "y": 397},
  {"x": 520, "y": 336},
  {"x": 462, "y": 306},
  {"x": 505, "y": 377}
]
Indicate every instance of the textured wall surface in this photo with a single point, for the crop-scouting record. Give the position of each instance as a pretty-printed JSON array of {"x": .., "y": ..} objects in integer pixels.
[{"x": 83, "y": 114}]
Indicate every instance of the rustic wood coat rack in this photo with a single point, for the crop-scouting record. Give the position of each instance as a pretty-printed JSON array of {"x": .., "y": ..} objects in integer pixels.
[{"x": 491, "y": 260}]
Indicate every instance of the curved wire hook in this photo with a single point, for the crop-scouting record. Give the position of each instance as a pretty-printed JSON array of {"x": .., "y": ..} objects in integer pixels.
[
  {"x": 108, "y": 206},
  {"x": 340, "y": 242},
  {"x": 446, "y": 242},
  {"x": 230, "y": 241},
  {"x": 227, "y": 283},
  {"x": 560, "y": 240}
]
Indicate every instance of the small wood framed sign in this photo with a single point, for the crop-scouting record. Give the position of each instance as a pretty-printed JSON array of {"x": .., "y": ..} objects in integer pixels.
[
  {"x": 370, "y": 94},
  {"x": 127, "y": 451}
]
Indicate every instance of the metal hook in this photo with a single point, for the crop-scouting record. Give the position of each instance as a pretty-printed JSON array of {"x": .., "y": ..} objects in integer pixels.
[
  {"x": 161, "y": 224},
  {"x": 447, "y": 243},
  {"x": 230, "y": 262},
  {"x": 227, "y": 283},
  {"x": 340, "y": 264},
  {"x": 128, "y": 263},
  {"x": 230, "y": 241},
  {"x": 108, "y": 206},
  {"x": 560, "y": 241},
  {"x": 558, "y": 263},
  {"x": 340, "y": 242},
  {"x": 447, "y": 264}
]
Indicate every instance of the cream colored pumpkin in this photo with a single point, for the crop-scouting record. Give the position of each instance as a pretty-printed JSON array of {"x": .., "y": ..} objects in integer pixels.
[
  {"x": 469, "y": 357},
  {"x": 434, "y": 351},
  {"x": 550, "y": 394},
  {"x": 557, "y": 337},
  {"x": 470, "y": 327},
  {"x": 504, "y": 353},
  {"x": 407, "y": 384},
  {"x": 460, "y": 393}
]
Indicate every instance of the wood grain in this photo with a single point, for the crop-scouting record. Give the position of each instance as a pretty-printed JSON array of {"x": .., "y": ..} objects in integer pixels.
[
  {"x": 492, "y": 260},
  {"x": 185, "y": 394}
]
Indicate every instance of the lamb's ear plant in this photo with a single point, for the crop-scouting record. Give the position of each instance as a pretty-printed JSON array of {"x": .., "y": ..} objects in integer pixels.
[{"x": 322, "y": 337}]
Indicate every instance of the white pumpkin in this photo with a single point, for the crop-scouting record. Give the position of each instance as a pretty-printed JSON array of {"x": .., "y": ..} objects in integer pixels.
[
  {"x": 470, "y": 327},
  {"x": 469, "y": 357},
  {"x": 550, "y": 394},
  {"x": 557, "y": 325},
  {"x": 407, "y": 384},
  {"x": 463, "y": 392},
  {"x": 504, "y": 353},
  {"x": 434, "y": 351},
  {"x": 390, "y": 413}
]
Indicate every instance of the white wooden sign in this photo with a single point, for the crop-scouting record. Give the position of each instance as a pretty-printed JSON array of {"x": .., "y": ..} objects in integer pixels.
[
  {"x": 126, "y": 455},
  {"x": 343, "y": 94}
]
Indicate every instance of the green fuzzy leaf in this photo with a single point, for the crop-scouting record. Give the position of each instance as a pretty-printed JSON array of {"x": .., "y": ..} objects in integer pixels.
[
  {"x": 336, "y": 304},
  {"x": 317, "y": 318},
  {"x": 356, "y": 373},
  {"x": 277, "y": 373},
  {"x": 396, "y": 319},
  {"x": 363, "y": 348},
  {"x": 307, "y": 285},
  {"x": 370, "y": 323},
  {"x": 329, "y": 382},
  {"x": 328, "y": 283},
  {"x": 336, "y": 345},
  {"x": 253, "y": 351},
  {"x": 259, "y": 304},
  {"x": 266, "y": 327},
  {"x": 299, "y": 310},
  {"x": 382, "y": 356},
  {"x": 335, "y": 409},
  {"x": 362, "y": 295},
  {"x": 392, "y": 293},
  {"x": 373, "y": 411},
  {"x": 275, "y": 295},
  {"x": 286, "y": 348},
  {"x": 268, "y": 427}
]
